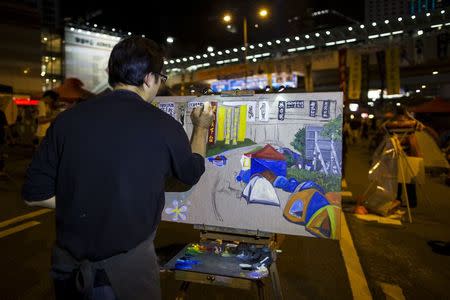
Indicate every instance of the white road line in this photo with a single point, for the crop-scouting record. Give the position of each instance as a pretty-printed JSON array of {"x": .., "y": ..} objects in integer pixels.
[
  {"x": 25, "y": 217},
  {"x": 358, "y": 282},
  {"x": 18, "y": 228}
]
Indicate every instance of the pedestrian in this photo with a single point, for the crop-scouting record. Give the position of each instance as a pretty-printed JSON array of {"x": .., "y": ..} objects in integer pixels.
[
  {"x": 365, "y": 129},
  {"x": 355, "y": 126},
  {"x": 46, "y": 113},
  {"x": 104, "y": 163}
]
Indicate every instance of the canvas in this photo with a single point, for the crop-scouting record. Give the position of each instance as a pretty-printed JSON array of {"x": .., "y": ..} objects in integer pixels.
[{"x": 273, "y": 164}]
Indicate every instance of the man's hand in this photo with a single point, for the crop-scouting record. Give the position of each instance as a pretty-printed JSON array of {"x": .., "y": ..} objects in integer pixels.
[{"x": 202, "y": 116}]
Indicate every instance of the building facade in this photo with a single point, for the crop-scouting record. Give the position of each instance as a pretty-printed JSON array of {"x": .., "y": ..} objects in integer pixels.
[
  {"x": 380, "y": 10},
  {"x": 30, "y": 52}
]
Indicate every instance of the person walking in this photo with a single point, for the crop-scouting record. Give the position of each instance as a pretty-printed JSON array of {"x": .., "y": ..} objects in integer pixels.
[{"x": 45, "y": 114}]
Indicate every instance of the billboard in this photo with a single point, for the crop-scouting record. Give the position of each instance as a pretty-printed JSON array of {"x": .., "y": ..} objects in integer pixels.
[
  {"x": 273, "y": 164},
  {"x": 86, "y": 57}
]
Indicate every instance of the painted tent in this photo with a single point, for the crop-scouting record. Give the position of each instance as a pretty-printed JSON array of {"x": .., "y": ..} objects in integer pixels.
[
  {"x": 312, "y": 209},
  {"x": 263, "y": 160}
]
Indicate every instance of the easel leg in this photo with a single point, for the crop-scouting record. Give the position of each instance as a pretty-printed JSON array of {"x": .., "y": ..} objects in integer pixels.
[
  {"x": 181, "y": 295},
  {"x": 405, "y": 192},
  {"x": 260, "y": 287},
  {"x": 275, "y": 281}
]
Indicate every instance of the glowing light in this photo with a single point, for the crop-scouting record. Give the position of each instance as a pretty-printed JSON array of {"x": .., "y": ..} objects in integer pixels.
[
  {"x": 263, "y": 13},
  {"x": 353, "y": 106}
]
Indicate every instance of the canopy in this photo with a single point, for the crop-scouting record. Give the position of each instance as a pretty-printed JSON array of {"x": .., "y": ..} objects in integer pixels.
[
  {"x": 438, "y": 105},
  {"x": 268, "y": 152},
  {"x": 71, "y": 90}
]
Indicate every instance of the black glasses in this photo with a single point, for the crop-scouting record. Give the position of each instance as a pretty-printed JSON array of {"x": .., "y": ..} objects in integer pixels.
[{"x": 163, "y": 76}]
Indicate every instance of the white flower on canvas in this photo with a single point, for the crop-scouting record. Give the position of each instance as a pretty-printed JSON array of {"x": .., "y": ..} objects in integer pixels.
[{"x": 177, "y": 211}]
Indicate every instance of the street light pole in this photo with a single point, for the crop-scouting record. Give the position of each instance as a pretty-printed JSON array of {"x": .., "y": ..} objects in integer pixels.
[
  {"x": 227, "y": 18},
  {"x": 245, "y": 50},
  {"x": 245, "y": 39}
]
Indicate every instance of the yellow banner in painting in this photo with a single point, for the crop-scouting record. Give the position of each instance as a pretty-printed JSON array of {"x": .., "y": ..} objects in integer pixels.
[
  {"x": 309, "y": 85},
  {"x": 221, "y": 112},
  {"x": 393, "y": 70},
  {"x": 242, "y": 130},
  {"x": 355, "y": 75}
]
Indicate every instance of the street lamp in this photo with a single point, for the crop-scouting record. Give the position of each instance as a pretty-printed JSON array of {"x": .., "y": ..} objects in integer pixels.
[{"x": 263, "y": 13}]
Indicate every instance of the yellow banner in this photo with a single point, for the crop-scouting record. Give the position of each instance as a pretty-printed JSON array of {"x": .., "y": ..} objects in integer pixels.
[
  {"x": 393, "y": 70},
  {"x": 355, "y": 75}
]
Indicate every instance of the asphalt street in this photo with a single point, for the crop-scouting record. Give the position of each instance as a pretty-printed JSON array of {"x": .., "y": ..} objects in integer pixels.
[{"x": 309, "y": 268}]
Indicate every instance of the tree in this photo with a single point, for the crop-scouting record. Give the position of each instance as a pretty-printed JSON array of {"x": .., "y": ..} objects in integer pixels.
[
  {"x": 299, "y": 141},
  {"x": 333, "y": 129}
]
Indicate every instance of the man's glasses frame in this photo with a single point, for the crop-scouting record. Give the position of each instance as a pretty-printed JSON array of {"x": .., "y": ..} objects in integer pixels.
[{"x": 162, "y": 76}]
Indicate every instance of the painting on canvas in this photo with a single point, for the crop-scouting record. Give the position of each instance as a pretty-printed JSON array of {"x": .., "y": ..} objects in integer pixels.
[{"x": 273, "y": 164}]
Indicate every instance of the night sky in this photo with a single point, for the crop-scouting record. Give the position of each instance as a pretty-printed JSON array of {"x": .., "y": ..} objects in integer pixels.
[{"x": 197, "y": 24}]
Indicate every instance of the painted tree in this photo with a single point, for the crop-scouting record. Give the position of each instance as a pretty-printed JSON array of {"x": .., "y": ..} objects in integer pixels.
[
  {"x": 333, "y": 129},
  {"x": 299, "y": 141}
]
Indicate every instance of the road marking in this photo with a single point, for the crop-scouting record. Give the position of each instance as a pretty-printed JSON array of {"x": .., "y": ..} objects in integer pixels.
[
  {"x": 18, "y": 228},
  {"x": 392, "y": 291},
  {"x": 24, "y": 217},
  {"x": 358, "y": 282}
]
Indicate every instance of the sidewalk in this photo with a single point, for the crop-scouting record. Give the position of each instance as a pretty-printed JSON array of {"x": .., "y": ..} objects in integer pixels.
[{"x": 399, "y": 255}]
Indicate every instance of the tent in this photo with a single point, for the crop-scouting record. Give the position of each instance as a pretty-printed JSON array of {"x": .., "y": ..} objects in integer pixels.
[
  {"x": 72, "y": 90},
  {"x": 432, "y": 155},
  {"x": 311, "y": 208},
  {"x": 260, "y": 190},
  {"x": 265, "y": 159},
  {"x": 438, "y": 105}
]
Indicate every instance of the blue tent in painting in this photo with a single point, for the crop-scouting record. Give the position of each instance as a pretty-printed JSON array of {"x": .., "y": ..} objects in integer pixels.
[{"x": 259, "y": 161}]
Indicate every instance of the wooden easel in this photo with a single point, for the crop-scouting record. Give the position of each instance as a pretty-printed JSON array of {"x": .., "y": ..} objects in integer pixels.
[
  {"x": 212, "y": 233},
  {"x": 233, "y": 235}
]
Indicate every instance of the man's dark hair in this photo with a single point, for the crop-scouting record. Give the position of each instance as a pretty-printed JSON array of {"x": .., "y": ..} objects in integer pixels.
[
  {"x": 51, "y": 94},
  {"x": 132, "y": 59}
]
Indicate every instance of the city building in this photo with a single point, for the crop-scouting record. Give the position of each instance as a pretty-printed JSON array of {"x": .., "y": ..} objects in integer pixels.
[
  {"x": 424, "y": 6},
  {"x": 30, "y": 54},
  {"x": 380, "y": 10}
]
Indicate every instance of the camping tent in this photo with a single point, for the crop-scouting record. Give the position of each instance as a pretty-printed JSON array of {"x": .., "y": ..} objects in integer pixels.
[
  {"x": 72, "y": 90},
  {"x": 432, "y": 155},
  {"x": 438, "y": 105}
]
